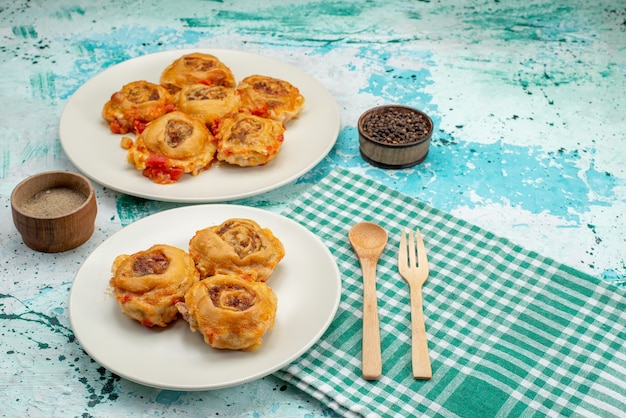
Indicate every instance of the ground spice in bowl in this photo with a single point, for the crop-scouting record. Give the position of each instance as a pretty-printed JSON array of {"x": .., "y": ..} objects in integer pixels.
[
  {"x": 54, "y": 211},
  {"x": 394, "y": 136},
  {"x": 53, "y": 202}
]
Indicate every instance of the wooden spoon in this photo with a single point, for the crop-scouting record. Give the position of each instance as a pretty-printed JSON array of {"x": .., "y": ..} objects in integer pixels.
[{"x": 368, "y": 241}]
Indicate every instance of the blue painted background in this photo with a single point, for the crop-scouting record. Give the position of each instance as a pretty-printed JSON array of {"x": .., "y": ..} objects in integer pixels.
[{"x": 527, "y": 99}]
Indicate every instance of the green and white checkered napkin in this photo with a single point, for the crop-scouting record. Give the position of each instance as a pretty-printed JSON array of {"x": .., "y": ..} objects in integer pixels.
[{"x": 511, "y": 333}]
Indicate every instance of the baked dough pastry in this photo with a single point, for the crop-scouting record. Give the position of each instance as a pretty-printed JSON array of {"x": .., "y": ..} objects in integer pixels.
[
  {"x": 270, "y": 98},
  {"x": 229, "y": 311},
  {"x": 208, "y": 103},
  {"x": 196, "y": 68},
  {"x": 237, "y": 246},
  {"x": 174, "y": 144},
  {"x": 148, "y": 284},
  {"x": 247, "y": 140},
  {"x": 136, "y": 104}
]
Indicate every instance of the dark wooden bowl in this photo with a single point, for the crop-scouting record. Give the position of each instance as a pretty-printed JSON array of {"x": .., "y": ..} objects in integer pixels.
[
  {"x": 54, "y": 211},
  {"x": 403, "y": 152}
]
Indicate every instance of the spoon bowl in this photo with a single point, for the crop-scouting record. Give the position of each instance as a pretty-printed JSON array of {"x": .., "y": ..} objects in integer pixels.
[{"x": 368, "y": 239}]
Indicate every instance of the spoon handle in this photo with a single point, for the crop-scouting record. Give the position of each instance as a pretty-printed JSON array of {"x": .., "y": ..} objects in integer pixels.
[
  {"x": 419, "y": 351},
  {"x": 372, "y": 361}
]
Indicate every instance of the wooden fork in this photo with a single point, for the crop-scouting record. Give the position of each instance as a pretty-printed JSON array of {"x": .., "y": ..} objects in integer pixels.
[{"x": 415, "y": 274}]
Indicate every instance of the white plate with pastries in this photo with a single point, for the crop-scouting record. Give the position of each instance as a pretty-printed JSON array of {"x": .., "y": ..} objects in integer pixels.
[
  {"x": 92, "y": 147},
  {"x": 306, "y": 282}
]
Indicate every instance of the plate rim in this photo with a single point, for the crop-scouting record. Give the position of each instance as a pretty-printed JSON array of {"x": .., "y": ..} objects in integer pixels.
[
  {"x": 330, "y": 314},
  {"x": 162, "y": 194}
]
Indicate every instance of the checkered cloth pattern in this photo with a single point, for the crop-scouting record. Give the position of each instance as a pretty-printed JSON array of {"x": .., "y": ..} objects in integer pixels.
[{"x": 511, "y": 333}]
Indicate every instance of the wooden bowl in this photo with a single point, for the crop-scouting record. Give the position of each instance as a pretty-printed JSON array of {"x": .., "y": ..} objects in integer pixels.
[
  {"x": 384, "y": 143},
  {"x": 54, "y": 211}
]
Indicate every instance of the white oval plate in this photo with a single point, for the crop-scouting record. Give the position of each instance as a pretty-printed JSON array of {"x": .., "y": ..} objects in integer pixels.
[
  {"x": 96, "y": 152},
  {"x": 307, "y": 283}
]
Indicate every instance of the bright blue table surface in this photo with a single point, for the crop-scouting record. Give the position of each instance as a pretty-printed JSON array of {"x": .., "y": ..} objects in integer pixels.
[{"x": 527, "y": 98}]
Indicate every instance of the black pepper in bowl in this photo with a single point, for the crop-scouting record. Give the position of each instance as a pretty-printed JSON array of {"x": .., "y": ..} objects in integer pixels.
[
  {"x": 396, "y": 126},
  {"x": 394, "y": 136}
]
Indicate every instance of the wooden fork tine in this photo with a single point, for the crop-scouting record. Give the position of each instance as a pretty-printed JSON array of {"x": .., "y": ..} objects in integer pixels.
[
  {"x": 422, "y": 258},
  {"x": 412, "y": 262}
]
